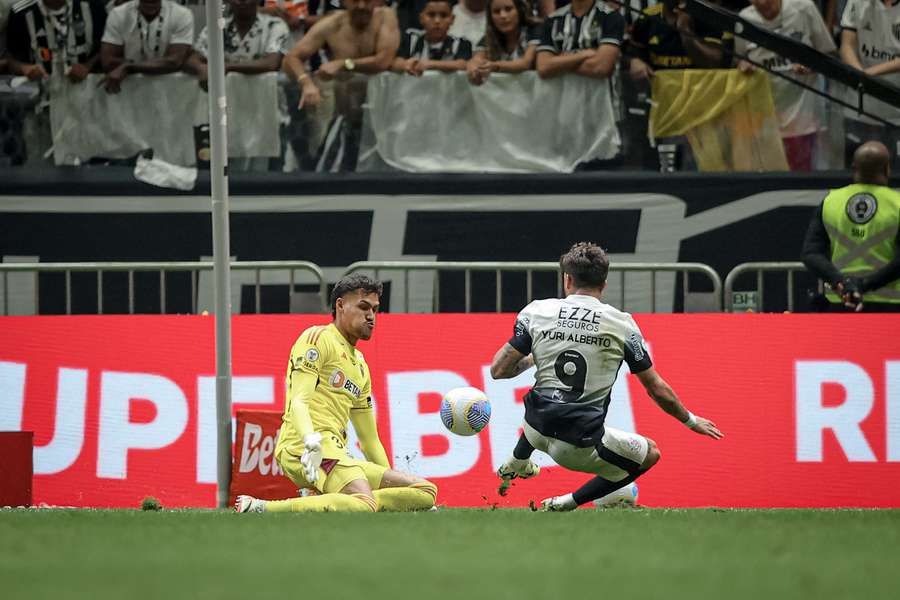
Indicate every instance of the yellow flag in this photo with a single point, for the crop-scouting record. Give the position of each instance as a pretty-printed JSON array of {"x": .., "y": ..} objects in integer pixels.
[{"x": 727, "y": 116}]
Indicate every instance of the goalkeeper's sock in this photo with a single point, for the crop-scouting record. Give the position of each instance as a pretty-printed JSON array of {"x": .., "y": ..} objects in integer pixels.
[
  {"x": 523, "y": 448},
  {"x": 599, "y": 487},
  {"x": 418, "y": 496},
  {"x": 324, "y": 503}
]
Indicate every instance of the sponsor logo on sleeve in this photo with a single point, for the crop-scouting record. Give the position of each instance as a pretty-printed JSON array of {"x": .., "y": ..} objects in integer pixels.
[
  {"x": 521, "y": 328},
  {"x": 637, "y": 345}
]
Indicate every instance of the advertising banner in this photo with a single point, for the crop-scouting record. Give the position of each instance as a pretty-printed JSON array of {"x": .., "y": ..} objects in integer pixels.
[{"x": 123, "y": 407}]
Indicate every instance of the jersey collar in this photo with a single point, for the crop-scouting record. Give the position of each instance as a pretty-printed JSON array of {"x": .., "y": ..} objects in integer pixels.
[{"x": 344, "y": 341}]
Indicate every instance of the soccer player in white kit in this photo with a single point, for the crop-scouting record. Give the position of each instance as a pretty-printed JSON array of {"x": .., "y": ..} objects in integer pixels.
[{"x": 577, "y": 344}]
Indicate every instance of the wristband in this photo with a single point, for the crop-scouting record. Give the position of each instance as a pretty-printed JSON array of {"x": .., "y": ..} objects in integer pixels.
[
  {"x": 302, "y": 77},
  {"x": 691, "y": 420}
]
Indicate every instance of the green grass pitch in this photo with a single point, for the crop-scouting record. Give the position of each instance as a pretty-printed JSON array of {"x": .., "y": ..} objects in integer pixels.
[{"x": 454, "y": 553}]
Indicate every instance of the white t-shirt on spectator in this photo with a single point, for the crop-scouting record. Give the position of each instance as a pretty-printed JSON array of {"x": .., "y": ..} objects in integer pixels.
[
  {"x": 875, "y": 25},
  {"x": 145, "y": 41},
  {"x": 800, "y": 112},
  {"x": 467, "y": 24},
  {"x": 267, "y": 35}
]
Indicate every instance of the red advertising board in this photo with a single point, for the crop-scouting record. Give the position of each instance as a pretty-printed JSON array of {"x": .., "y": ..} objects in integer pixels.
[{"x": 123, "y": 407}]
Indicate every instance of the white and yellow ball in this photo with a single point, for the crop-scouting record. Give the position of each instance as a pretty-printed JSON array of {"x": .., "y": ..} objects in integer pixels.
[{"x": 465, "y": 410}]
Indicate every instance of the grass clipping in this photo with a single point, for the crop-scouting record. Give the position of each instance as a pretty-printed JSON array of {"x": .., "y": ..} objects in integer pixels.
[{"x": 150, "y": 503}]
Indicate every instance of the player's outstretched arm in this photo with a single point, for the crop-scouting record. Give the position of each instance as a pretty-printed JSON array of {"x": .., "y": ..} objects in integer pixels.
[
  {"x": 664, "y": 396},
  {"x": 364, "y": 425},
  {"x": 509, "y": 362},
  {"x": 300, "y": 389}
]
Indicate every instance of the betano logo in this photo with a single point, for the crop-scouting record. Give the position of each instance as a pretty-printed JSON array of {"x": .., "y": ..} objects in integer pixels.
[{"x": 257, "y": 451}]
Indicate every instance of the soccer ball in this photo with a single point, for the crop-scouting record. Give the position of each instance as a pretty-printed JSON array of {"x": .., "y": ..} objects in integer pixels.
[
  {"x": 465, "y": 410},
  {"x": 623, "y": 497}
]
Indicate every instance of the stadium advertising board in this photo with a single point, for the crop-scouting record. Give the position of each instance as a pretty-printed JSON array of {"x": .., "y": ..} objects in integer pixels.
[{"x": 123, "y": 407}]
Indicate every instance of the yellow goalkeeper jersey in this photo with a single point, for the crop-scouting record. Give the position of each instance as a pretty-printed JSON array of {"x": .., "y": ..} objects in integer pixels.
[{"x": 342, "y": 384}]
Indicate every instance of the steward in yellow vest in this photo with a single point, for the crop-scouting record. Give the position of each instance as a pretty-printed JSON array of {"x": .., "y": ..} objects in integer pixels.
[{"x": 852, "y": 241}]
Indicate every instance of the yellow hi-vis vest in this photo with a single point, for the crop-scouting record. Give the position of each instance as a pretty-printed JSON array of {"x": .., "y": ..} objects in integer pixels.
[{"x": 862, "y": 222}]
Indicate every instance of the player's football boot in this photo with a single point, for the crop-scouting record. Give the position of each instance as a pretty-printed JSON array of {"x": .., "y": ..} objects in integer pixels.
[
  {"x": 522, "y": 468},
  {"x": 558, "y": 504},
  {"x": 245, "y": 504}
]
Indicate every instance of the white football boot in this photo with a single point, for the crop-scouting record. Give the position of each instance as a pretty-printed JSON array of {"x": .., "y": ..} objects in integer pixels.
[
  {"x": 558, "y": 504},
  {"x": 245, "y": 504},
  {"x": 523, "y": 468}
]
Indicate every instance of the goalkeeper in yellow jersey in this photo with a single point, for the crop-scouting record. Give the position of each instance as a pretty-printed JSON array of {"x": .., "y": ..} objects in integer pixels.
[{"x": 328, "y": 384}]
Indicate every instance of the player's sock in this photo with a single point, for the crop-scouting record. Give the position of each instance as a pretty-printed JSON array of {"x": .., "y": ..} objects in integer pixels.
[
  {"x": 599, "y": 487},
  {"x": 324, "y": 503},
  {"x": 418, "y": 496},
  {"x": 523, "y": 448}
]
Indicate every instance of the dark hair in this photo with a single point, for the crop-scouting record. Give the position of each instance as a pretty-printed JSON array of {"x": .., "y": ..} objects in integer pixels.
[
  {"x": 587, "y": 263},
  {"x": 351, "y": 283},
  {"x": 494, "y": 40},
  {"x": 450, "y": 3}
]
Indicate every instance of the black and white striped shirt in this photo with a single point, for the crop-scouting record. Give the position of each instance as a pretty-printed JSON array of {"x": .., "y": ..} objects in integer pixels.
[
  {"x": 565, "y": 32},
  {"x": 414, "y": 45}
]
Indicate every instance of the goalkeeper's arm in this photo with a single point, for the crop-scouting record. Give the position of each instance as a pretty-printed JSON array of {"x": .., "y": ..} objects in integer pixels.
[
  {"x": 302, "y": 387},
  {"x": 363, "y": 420}
]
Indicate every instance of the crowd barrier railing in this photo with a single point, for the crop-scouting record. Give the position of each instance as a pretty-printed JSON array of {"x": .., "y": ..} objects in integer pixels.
[
  {"x": 790, "y": 268},
  {"x": 194, "y": 268},
  {"x": 529, "y": 268},
  {"x": 292, "y": 267}
]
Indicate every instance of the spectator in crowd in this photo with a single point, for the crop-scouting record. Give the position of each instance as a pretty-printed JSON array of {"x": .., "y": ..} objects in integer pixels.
[
  {"x": 295, "y": 14},
  {"x": 469, "y": 20},
  {"x": 51, "y": 37},
  {"x": 665, "y": 36},
  {"x": 870, "y": 42},
  {"x": 361, "y": 39},
  {"x": 799, "y": 111},
  {"x": 431, "y": 48},
  {"x": 584, "y": 37},
  {"x": 510, "y": 43},
  {"x": 254, "y": 43},
  {"x": 63, "y": 33},
  {"x": 151, "y": 37},
  {"x": 853, "y": 240}
]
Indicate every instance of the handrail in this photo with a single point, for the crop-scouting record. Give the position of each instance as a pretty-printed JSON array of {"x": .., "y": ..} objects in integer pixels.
[
  {"x": 162, "y": 268},
  {"x": 529, "y": 268},
  {"x": 760, "y": 267}
]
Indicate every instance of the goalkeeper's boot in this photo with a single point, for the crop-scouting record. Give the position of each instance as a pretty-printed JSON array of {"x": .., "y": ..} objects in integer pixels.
[
  {"x": 558, "y": 504},
  {"x": 245, "y": 504},
  {"x": 522, "y": 468}
]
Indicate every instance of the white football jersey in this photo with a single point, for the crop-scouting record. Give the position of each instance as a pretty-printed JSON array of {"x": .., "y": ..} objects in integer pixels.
[
  {"x": 578, "y": 344},
  {"x": 877, "y": 30}
]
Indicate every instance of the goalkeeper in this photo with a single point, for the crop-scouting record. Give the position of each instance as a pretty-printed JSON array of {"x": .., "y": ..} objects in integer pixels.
[{"x": 328, "y": 383}]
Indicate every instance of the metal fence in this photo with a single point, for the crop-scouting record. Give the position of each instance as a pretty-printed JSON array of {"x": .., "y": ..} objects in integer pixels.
[
  {"x": 163, "y": 268},
  {"x": 293, "y": 267},
  {"x": 790, "y": 268},
  {"x": 529, "y": 268}
]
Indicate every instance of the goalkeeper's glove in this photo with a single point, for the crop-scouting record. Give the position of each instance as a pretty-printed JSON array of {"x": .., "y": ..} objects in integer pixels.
[{"x": 312, "y": 456}]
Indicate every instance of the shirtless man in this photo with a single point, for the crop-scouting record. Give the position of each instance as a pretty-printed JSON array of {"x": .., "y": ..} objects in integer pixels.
[{"x": 362, "y": 38}]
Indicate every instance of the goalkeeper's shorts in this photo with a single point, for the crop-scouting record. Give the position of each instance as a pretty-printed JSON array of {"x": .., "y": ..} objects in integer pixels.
[{"x": 337, "y": 470}]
